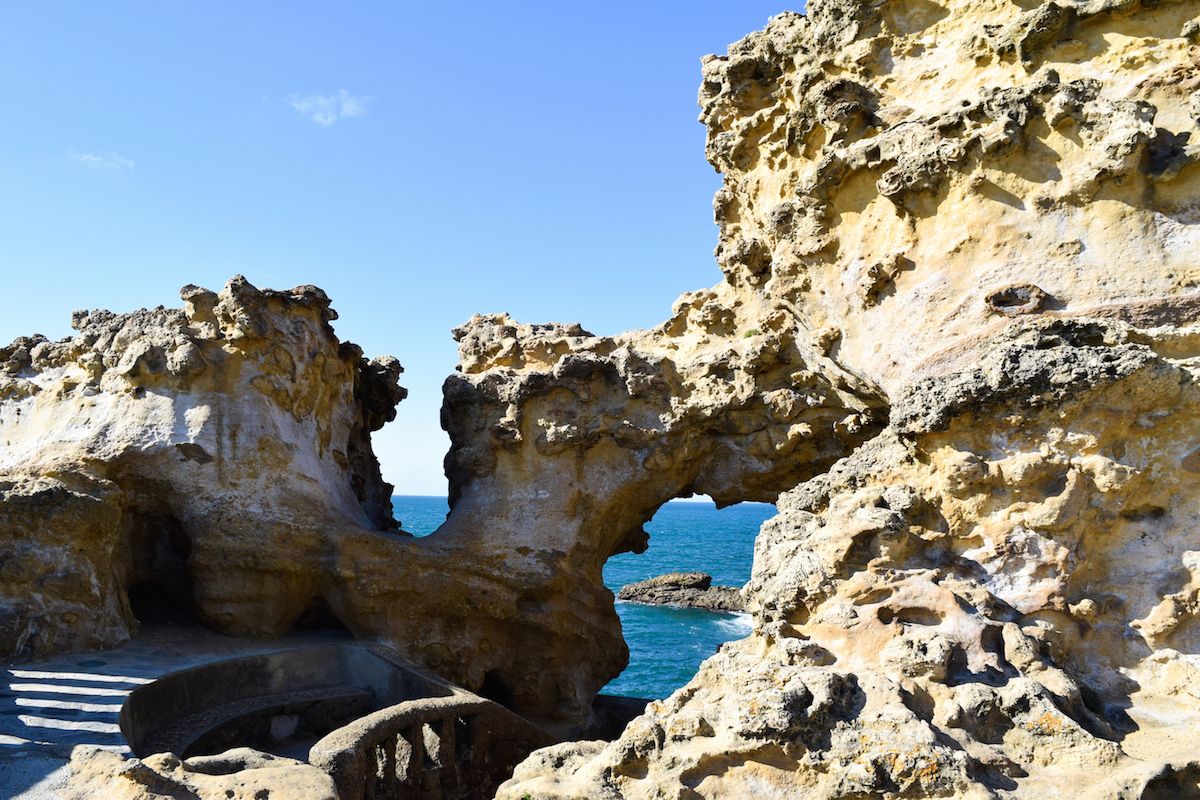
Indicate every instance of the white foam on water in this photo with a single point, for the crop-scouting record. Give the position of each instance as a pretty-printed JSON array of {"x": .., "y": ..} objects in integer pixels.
[{"x": 739, "y": 624}]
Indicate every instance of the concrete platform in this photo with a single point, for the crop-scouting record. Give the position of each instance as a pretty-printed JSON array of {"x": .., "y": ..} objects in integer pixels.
[{"x": 48, "y": 707}]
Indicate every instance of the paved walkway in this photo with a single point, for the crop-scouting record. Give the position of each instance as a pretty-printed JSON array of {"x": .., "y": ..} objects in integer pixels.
[{"x": 49, "y": 707}]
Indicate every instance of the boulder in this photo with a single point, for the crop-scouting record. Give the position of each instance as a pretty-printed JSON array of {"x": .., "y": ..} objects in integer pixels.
[
  {"x": 241, "y": 774},
  {"x": 683, "y": 589}
]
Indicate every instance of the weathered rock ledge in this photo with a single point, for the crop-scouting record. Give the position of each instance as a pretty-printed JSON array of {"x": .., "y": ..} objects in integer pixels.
[{"x": 685, "y": 590}]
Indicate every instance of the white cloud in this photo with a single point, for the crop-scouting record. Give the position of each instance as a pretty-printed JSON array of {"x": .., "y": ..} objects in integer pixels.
[
  {"x": 326, "y": 109},
  {"x": 110, "y": 160}
]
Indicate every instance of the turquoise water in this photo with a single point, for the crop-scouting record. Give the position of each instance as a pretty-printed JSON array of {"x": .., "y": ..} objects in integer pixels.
[
  {"x": 666, "y": 645},
  {"x": 419, "y": 515}
]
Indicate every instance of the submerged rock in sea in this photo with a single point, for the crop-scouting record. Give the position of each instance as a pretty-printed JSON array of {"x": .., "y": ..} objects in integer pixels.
[{"x": 684, "y": 589}]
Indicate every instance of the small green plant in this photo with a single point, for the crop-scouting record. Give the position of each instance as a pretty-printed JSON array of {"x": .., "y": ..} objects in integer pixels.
[{"x": 751, "y": 333}]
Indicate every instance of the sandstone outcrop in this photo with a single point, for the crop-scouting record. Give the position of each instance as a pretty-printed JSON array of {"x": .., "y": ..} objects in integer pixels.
[
  {"x": 684, "y": 589},
  {"x": 217, "y": 458},
  {"x": 218, "y": 455},
  {"x": 957, "y": 341},
  {"x": 240, "y": 774},
  {"x": 564, "y": 444},
  {"x": 981, "y": 220},
  {"x": 187, "y": 449}
]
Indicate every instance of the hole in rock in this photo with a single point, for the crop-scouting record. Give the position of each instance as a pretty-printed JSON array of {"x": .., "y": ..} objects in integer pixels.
[
  {"x": 874, "y": 596},
  {"x": 1017, "y": 299},
  {"x": 1142, "y": 513},
  {"x": 494, "y": 688},
  {"x": 667, "y": 642},
  {"x": 319, "y": 618},
  {"x": 159, "y": 586},
  {"x": 1054, "y": 486},
  {"x": 909, "y": 616},
  {"x": 154, "y": 603}
]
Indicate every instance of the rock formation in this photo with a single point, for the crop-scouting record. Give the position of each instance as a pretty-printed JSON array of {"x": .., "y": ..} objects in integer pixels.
[
  {"x": 187, "y": 448},
  {"x": 957, "y": 340},
  {"x": 218, "y": 457},
  {"x": 240, "y": 774},
  {"x": 684, "y": 589},
  {"x": 980, "y": 222}
]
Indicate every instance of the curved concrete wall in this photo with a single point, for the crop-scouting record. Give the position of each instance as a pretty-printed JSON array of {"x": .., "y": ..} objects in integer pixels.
[{"x": 177, "y": 710}]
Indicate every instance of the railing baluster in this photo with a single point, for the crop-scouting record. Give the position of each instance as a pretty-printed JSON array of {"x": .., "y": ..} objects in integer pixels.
[
  {"x": 415, "y": 736},
  {"x": 448, "y": 754},
  {"x": 385, "y": 765},
  {"x": 403, "y": 758},
  {"x": 444, "y": 749}
]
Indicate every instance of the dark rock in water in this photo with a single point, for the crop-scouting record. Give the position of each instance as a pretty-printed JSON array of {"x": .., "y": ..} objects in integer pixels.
[{"x": 686, "y": 589}]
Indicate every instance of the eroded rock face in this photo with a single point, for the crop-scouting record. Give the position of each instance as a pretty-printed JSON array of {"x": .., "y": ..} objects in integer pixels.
[
  {"x": 187, "y": 448},
  {"x": 956, "y": 340},
  {"x": 564, "y": 444},
  {"x": 220, "y": 455},
  {"x": 982, "y": 220}
]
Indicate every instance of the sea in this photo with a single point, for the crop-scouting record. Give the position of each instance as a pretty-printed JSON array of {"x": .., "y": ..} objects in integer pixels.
[{"x": 666, "y": 645}]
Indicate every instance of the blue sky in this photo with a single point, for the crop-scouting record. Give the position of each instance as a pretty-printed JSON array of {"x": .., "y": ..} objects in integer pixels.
[{"x": 420, "y": 162}]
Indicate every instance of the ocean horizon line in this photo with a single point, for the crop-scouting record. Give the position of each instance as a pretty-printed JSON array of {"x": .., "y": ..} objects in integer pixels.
[{"x": 690, "y": 500}]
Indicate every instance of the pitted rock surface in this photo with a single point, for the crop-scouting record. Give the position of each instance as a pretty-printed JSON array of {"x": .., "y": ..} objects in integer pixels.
[
  {"x": 957, "y": 341},
  {"x": 982, "y": 220}
]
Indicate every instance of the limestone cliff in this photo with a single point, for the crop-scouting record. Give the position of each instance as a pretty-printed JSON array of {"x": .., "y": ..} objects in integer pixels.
[
  {"x": 979, "y": 222},
  {"x": 179, "y": 447},
  {"x": 219, "y": 454}
]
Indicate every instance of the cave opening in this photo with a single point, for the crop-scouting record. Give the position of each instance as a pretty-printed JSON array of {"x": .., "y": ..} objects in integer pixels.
[
  {"x": 495, "y": 689},
  {"x": 668, "y": 640},
  {"x": 158, "y": 583},
  {"x": 153, "y": 602},
  {"x": 319, "y": 619}
]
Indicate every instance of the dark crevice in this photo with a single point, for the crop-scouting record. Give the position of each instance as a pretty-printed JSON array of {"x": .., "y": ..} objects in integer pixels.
[
  {"x": 318, "y": 617},
  {"x": 495, "y": 689},
  {"x": 153, "y": 602}
]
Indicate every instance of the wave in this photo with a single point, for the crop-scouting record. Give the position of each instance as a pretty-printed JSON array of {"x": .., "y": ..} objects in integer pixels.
[{"x": 737, "y": 624}]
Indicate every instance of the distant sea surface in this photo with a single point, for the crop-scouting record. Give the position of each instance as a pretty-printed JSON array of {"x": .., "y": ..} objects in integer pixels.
[{"x": 666, "y": 645}]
